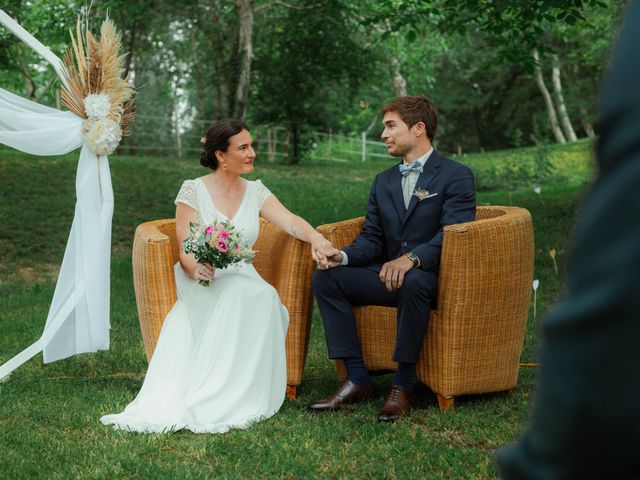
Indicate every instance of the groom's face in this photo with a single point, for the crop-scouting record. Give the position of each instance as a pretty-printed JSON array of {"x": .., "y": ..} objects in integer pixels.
[{"x": 397, "y": 135}]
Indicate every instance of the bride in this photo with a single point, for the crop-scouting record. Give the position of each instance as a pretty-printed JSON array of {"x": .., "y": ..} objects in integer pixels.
[{"x": 220, "y": 359}]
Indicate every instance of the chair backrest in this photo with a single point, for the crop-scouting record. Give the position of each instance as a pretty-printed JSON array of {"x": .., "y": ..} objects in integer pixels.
[
  {"x": 343, "y": 233},
  {"x": 476, "y": 335},
  {"x": 169, "y": 229},
  {"x": 270, "y": 246},
  {"x": 484, "y": 212}
]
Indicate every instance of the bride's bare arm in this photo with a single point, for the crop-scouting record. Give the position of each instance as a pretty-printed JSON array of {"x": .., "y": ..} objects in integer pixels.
[
  {"x": 274, "y": 212},
  {"x": 184, "y": 216}
]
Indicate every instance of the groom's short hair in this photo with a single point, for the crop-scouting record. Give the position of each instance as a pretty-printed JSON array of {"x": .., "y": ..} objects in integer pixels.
[{"x": 413, "y": 109}]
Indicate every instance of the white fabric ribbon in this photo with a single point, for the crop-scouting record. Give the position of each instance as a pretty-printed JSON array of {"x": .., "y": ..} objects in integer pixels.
[{"x": 78, "y": 319}]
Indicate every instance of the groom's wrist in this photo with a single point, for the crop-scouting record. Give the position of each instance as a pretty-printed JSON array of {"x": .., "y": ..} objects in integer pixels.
[
  {"x": 414, "y": 258},
  {"x": 345, "y": 258}
]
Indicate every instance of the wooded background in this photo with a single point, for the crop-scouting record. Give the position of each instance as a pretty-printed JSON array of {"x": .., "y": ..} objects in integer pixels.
[{"x": 503, "y": 74}]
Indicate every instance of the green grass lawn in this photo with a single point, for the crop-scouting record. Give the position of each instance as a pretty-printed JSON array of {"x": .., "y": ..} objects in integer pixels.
[{"x": 49, "y": 414}]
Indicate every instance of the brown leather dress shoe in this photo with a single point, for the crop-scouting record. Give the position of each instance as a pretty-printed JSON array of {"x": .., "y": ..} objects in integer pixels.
[
  {"x": 399, "y": 402},
  {"x": 347, "y": 392}
]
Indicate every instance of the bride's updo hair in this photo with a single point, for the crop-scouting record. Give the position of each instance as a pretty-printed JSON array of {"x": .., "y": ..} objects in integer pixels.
[{"x": 217, "y": 138}]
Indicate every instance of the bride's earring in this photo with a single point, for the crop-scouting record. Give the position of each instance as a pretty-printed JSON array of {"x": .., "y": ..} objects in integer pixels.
[{"x": 224, "y": 166}]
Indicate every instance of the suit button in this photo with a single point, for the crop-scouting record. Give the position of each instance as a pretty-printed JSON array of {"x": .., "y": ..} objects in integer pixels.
[{"x": 404, "y": 244}]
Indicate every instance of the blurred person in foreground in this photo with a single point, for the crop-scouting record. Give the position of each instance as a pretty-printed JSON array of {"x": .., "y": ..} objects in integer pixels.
[{"x": 586, "y": 419}]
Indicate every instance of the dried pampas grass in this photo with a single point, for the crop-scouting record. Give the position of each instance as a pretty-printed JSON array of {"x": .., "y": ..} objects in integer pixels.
[{"x": 96, "y": 67}]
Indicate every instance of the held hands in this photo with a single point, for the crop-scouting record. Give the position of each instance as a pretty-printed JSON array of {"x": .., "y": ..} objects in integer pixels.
[
  {"x": 324, "y": 253},
  {"x": 204, "y": 272},
  {"x": 333, "y": 260},
  {"x": 393, "y": 272}
]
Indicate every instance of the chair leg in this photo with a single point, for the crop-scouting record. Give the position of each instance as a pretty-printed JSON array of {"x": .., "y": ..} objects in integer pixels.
[
  {"x": 292, "y": 394},
  {"x": 446, "y": 403}
]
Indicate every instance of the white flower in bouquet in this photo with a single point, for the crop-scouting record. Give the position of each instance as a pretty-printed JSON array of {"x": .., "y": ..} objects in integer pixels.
[
  {"x": 97, "y": 106},
  {"x": 103, "y": 136}
]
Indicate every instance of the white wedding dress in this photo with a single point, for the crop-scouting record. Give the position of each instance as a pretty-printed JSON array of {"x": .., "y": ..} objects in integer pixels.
[{"x": 220, "y": 359}]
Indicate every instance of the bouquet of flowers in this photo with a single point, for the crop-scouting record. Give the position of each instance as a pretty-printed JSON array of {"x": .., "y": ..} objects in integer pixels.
[{"x": 220, "y": 244}]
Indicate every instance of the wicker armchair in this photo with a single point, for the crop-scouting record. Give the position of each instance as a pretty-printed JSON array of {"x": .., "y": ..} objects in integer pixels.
[
  {"x": 281, "y": 260},
  {"x": 475, "y": 337}
]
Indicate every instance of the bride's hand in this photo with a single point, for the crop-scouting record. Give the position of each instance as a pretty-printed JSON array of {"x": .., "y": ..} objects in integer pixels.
[{"x": 204, "y": 271}]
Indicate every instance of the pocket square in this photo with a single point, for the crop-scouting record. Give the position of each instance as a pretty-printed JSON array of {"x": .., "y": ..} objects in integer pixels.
[{"x": 423, "y": 194}]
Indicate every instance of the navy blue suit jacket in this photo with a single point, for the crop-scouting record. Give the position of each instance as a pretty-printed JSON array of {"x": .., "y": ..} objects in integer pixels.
[{"x": 391, "y": 230}]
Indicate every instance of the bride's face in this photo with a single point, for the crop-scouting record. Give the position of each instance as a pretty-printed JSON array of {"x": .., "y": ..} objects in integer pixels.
[{"x": 240, "y": 155}]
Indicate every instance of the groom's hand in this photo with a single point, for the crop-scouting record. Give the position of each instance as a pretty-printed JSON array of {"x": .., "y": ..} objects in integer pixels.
[
  {"x": 334, "y": 259},
  {"x": 393, "y": 272}
]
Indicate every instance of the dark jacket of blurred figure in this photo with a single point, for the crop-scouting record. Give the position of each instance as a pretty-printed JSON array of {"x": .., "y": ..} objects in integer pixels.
[{"x": 586, "y": 419}]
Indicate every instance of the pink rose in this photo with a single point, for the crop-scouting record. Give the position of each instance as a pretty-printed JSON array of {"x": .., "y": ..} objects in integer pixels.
[
  {"x": 221, "y": 246},
  {"x": 223, "y": 234},
  {"x": 208, "y": 230}
]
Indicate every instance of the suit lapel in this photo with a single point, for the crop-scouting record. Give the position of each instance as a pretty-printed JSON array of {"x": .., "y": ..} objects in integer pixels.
[
  {"x": 430, "y": 172},
  {"x": 395, "y": 188}
]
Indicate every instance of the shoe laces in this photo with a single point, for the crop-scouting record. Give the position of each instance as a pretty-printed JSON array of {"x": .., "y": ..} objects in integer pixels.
[{"x": 394, "y": 394}]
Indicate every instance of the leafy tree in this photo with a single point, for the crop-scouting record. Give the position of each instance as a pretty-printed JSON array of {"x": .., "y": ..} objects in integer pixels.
[
  {"x": 21, "y": 69},
  {"x": 309, "y": 69},
  {"x": 513, "y": 27},
  {"x": 329, "y": 65}
]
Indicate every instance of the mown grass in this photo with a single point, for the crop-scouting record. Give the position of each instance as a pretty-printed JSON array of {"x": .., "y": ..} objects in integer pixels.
[{"x": 49, "y": 414}]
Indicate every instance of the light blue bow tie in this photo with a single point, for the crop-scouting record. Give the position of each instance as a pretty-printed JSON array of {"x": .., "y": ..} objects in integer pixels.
[{"x": 416, "y": 166}]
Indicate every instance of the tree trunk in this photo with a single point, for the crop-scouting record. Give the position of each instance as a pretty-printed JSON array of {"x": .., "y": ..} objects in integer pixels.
[
  {"x": 285, "y": 149},
  {"x": 218, "y": 78},
  {"x": 131, "y": 46},
  {"x": 199, "y": 84},
  {"x": 551, "y": 111},
  {"x": 586, "y": 125},
  {"x": 399, "y": 82},
  {"x": 295, "y": 140},
  {"x": 270, "y": 145},
  {"x": 44, "y": 89},
  {"x": 245, "y": 43},
  {"x": 373, "y": 123},
  {"x": 565, "y": 121}
]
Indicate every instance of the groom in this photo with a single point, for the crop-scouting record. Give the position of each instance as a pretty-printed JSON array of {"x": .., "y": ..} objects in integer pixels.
[{"x": 394, "y": 260}]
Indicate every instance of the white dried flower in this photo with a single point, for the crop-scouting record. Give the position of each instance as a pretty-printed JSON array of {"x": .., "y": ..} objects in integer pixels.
[
  {"x": 97, "y": 105},
  {"x": 421, "y": 193},
  {"x": 103, "y": 136}
]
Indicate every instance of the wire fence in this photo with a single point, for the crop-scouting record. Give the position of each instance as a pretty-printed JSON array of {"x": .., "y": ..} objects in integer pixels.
[{"x": 162, "y": 136}]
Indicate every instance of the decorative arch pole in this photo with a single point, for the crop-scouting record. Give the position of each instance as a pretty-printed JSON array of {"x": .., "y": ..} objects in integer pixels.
[{"x": 78, "y": 318}]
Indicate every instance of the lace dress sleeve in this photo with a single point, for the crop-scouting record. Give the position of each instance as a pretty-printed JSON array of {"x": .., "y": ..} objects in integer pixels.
[
  {"x": 187, "y": 194},
  {"x": 262, "y": 193}
]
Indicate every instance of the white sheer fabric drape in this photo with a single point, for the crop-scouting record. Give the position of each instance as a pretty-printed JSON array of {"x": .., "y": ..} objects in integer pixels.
[
  {"x": 37, "y": 129},
  {"x": 78, "y": 319}
]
